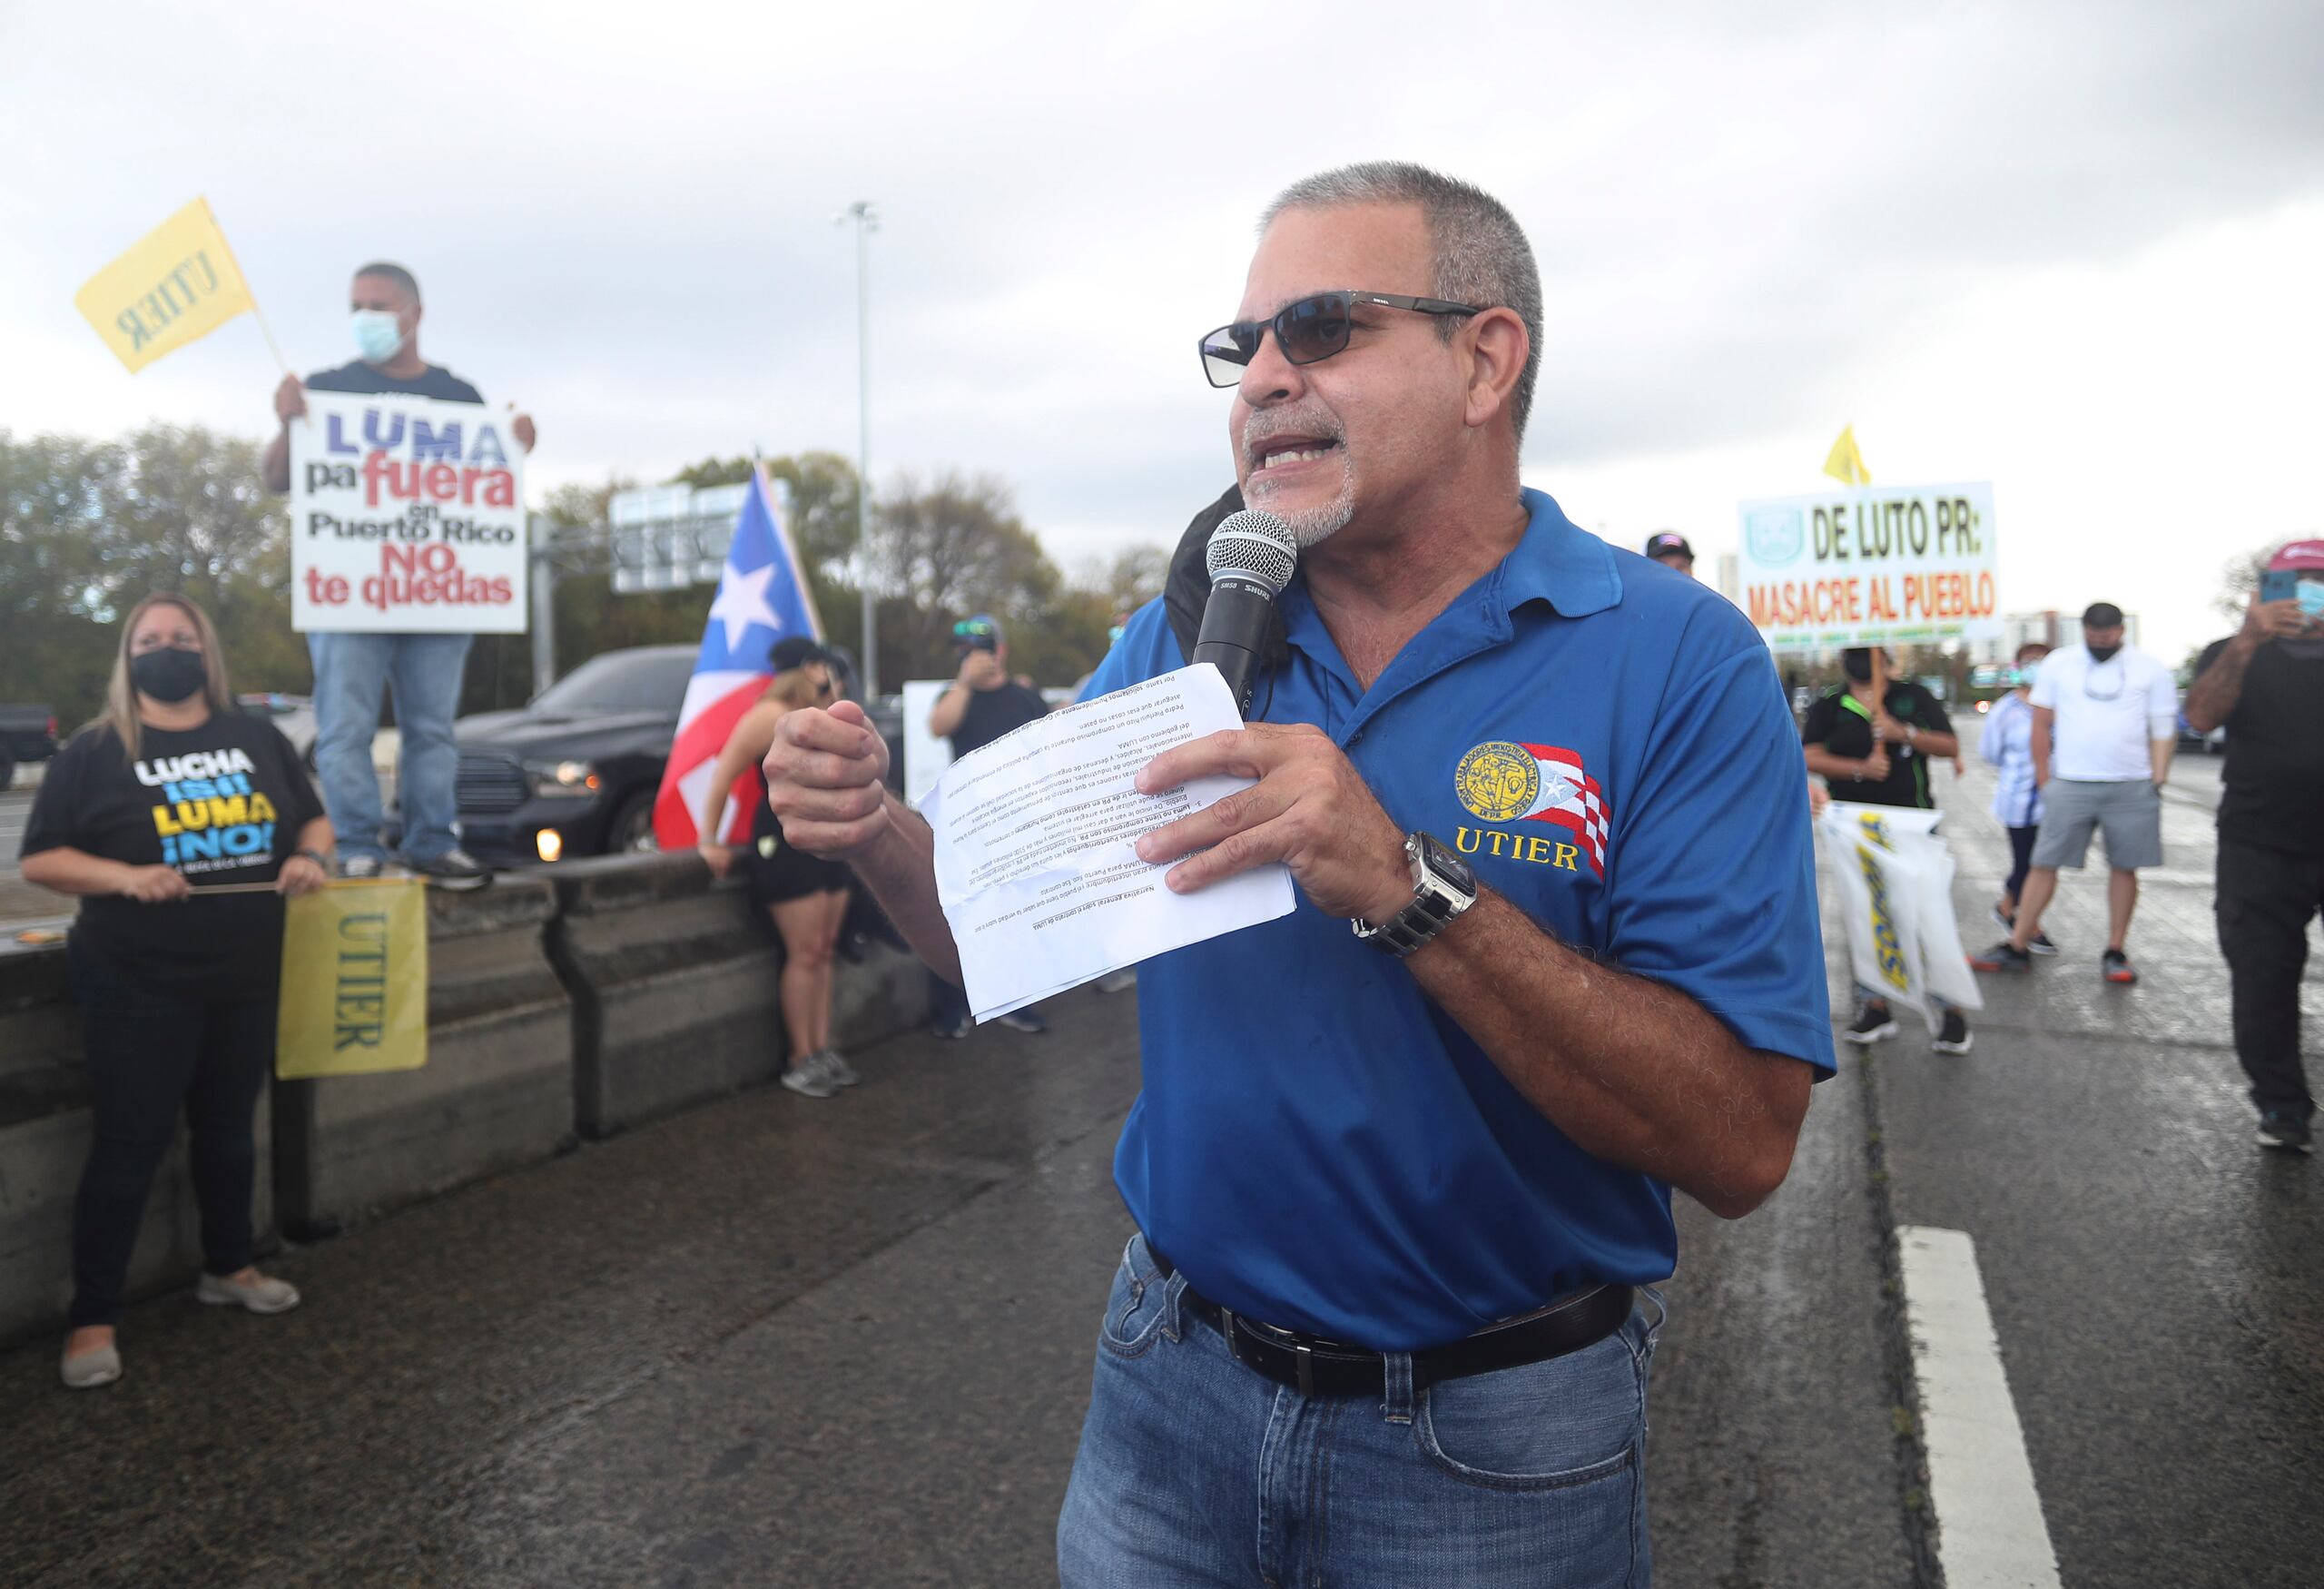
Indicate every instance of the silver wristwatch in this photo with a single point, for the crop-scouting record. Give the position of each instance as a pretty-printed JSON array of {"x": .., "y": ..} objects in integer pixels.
[{"x": 1443, "y": 887}]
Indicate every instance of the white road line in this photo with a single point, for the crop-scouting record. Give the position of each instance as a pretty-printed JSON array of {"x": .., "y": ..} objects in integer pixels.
[{"x": 1989, "y": 1529}]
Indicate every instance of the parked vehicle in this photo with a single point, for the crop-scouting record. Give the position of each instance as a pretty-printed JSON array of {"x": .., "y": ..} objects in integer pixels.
[
  {"x": 575, "y": 772},
  {"x": 27, "y": 734},
  {"x": 582, "y": 761}
]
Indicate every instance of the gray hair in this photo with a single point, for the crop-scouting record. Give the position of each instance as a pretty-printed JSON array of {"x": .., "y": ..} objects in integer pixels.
[{"x": 1481, "y": 255}]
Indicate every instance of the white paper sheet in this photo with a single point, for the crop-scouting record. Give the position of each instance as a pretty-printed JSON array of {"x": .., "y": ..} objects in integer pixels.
[{"x": 1034, "y": 832}]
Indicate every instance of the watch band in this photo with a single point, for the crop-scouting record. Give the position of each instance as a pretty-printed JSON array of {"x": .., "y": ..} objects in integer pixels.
[
  {"x": 317, "y": 856},
  {"x": 1433, "y": 906}
]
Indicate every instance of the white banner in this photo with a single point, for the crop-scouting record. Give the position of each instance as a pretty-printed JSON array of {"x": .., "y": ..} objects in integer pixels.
[
  {"x": 1870, "y": 565},
  {"x": 1896, "y": 878},
  {"x": 406, "y": 517}
]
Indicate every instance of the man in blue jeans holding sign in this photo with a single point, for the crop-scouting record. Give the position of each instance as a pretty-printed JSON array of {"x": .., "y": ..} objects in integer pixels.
[
  {"x": 1401, "y": 1166},
  {"x": 353, "y": 670}
]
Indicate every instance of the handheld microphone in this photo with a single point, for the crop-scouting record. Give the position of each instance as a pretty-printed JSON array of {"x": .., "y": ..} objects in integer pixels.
[{"x": 1251, "y": 557}]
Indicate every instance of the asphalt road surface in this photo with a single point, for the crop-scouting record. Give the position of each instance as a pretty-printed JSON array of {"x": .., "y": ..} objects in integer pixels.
[{"x": 778, "y": 1340}]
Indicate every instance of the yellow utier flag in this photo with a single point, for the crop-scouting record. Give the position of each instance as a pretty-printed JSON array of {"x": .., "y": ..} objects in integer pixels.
[
  {"x": 1846, "y": 464},
  {"x": 178, "y": 284}
]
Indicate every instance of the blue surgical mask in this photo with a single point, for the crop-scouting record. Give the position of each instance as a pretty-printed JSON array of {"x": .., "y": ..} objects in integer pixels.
[
  {"x": 378, "y": 336},
  {"x": 2311, "y": 599}
]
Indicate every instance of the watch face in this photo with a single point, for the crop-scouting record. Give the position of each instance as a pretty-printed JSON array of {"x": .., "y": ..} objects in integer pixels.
[{"x": 1443, "y": 860}]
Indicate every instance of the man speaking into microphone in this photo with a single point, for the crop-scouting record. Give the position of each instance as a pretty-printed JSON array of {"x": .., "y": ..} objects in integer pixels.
[{"x": 1401, "y": 1166}]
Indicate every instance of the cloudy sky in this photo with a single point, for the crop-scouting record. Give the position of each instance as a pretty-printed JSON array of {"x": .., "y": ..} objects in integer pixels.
[{"x": 2071, "y": 249}]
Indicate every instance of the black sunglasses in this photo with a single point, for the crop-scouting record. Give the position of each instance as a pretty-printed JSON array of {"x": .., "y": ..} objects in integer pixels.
[{"x": 1307, "y": 332}]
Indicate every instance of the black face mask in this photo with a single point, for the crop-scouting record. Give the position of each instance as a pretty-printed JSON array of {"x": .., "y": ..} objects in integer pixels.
[
  {"x": 2101, "y": 653},
  {"x": 168, "y": 675}
]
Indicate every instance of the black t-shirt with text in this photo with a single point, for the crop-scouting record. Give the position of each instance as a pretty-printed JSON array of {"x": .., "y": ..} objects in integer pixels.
[
  {"x": 221, "y": 804},
  {"x": 2274, "y": 777},
  {"x": 365, "y": 380},
  {"x": 1839, "y": 722},
  {"x": 993, "y": 713}
]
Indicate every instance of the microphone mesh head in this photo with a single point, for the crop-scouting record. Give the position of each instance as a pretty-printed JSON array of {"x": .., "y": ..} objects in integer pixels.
[{"x": 1256, "y": 545}]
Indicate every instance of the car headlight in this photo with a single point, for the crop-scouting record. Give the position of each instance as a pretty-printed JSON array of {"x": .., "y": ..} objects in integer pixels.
[{"x": 555, "y": 780}]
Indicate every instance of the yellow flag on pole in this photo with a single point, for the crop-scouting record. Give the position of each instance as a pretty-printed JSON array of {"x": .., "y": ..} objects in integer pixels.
[
  {"x": 177, "y": 285},
  {"x": 1846, "y": 464}
]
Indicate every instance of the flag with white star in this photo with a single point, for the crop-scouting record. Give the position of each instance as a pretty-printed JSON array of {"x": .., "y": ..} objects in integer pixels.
[{"x": 763, "y": 597}]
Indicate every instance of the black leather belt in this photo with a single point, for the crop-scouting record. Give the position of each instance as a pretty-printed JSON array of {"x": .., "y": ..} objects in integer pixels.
[{"x": 1316, "y": 1366}]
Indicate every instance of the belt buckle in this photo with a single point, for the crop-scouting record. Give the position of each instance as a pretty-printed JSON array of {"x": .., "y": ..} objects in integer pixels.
[{"x": 1283, "y": 1340}]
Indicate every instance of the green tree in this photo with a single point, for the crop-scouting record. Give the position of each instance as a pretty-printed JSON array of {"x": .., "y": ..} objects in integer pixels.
[
  {"x": 52, "y": 648},
  {"x": 948, "y": 548}
]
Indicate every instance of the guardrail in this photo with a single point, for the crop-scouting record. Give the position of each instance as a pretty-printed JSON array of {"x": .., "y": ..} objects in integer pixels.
[{"x": 568, "y": 1003}]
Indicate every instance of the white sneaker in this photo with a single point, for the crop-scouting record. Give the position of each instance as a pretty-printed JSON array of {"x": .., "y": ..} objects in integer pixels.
[
  {"x": 262, "y": 1296},
  {"x": 88, "y": 1370},
  {"x": 808, "y": 1078},
  {"x": 836, "y": 1066}
]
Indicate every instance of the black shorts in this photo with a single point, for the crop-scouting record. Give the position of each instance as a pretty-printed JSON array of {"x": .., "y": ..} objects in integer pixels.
[{"x": 777, "y": 873}]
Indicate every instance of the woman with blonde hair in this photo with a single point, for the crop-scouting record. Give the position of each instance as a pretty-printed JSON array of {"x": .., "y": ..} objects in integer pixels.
[
  {"x": 807, "y": 896},
  {"x": 181, "y": 824}
]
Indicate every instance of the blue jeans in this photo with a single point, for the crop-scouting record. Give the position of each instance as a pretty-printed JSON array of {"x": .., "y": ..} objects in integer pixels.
[
  {"x": 1194, "y": 1470},
  {"x": 350, "y": 672}
]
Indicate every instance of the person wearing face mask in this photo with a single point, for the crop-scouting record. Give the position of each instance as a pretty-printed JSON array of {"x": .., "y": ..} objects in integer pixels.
[
  {"x": 1876, "y": 753},
  {"x": 353, "y": 671},
  {"x": 170, "y": 795},
  {"x": 2006, "y": 743},
  {"x": 2105, "y": 721},
  {"x": 2265, "y": 686},
  {"x": 805, "y": 895}
]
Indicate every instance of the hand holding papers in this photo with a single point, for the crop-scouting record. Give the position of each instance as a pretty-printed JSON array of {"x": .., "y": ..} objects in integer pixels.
[{"x": 1034, "y": 863}]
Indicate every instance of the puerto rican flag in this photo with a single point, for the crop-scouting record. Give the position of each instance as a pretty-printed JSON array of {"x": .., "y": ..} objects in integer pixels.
[
  {"x": 1571, "y": 799},
  {"x": 763, "y": 596}
]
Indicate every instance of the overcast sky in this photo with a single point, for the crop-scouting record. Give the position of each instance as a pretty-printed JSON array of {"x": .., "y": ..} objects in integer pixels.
[{"x": 2071, "y": 249}]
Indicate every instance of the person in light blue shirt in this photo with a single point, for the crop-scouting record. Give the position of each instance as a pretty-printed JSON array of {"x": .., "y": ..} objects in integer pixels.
[
  {"x": 2006, "y": 743},
  {"x": 1402, "y": 1165}
]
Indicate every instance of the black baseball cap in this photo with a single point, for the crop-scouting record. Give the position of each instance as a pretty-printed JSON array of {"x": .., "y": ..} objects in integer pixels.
[
  {"x": 1669, "y": 542},
  {"x": 2101, "y": 615},
  {"x": 795, "y": 651}
]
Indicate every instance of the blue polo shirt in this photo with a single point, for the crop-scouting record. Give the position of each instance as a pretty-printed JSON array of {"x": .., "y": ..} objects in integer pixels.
[{"x": 1319, "y": 1146}]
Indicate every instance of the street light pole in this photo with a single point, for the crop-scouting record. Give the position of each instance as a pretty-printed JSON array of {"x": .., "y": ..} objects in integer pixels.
[{"x": 867, "y": 222}]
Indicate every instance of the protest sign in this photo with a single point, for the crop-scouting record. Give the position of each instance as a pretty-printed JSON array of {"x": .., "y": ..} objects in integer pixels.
[
  {"x": 1871, "y": 566},
  {"x": 1895, "y": 877},
  {"x": 406, "y": 517}
]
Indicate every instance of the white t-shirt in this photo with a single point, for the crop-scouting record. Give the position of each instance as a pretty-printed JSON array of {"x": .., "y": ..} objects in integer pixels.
[{"x": 2107, "y": 712}]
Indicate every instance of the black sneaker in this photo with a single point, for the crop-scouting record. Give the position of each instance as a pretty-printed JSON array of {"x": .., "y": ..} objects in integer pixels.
[
  {"x": 2002, "y": 956},
  {"x": 1873, "y": 1021},
  {"x": 2286, "y": 1131},
  {"x": 1024, "y": 1020},
  {"x": 2115, "y": 967},
  {"x": 2004, "y": 919},
  {"x": 455, "y": 869},
  {"x": 2041, "y": 945},
  {"x": 1952, "y": 1037}
]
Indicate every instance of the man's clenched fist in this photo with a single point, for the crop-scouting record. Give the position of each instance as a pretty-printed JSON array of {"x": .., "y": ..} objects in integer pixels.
[{"x": 824, "y": 779}]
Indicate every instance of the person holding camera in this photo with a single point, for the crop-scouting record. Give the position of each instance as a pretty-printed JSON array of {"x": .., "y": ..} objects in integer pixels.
[
  {"x": 805, "y": 896},
  {"x": 983, "y": 703}
]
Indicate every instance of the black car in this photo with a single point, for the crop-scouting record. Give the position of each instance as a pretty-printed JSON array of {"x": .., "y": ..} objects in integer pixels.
[
  {"x": 27, "y": 734},
  {"x": 584, "y": 761}
]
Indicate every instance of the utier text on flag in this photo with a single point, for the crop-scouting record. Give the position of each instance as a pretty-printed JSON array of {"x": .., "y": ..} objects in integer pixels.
[
  {"x": 176, "y": 285},
  {"x": 763, "y": 597}
]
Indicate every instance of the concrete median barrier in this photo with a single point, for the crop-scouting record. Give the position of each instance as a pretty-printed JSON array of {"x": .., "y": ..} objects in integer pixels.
[
  {"x": 674, "y": 988},
  {"x": 578, "y": 1001},
  {"x": 45, "y": 1132},
  {"x": 497, "y": 1090}
]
